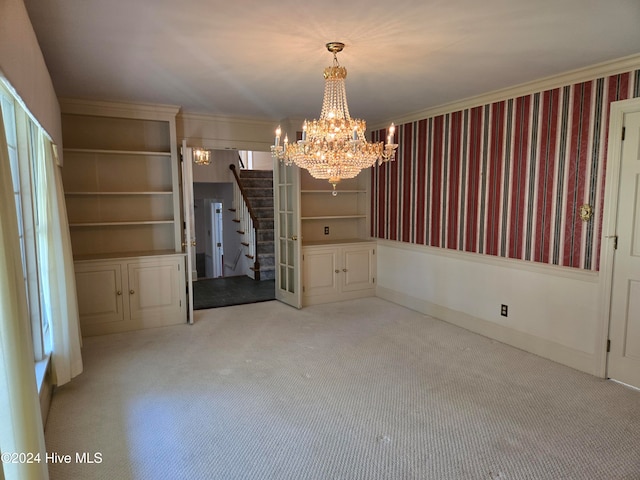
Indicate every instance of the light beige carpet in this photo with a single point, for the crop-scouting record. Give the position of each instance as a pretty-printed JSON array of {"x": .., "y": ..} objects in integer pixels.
[{"x": 354, "y": 390}]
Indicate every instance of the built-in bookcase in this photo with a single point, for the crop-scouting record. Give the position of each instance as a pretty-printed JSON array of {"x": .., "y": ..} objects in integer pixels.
[
  {"x": 345, "y": 216},
  {"x": 122, "y": 193},
  {"x": 121, "y": 179}
]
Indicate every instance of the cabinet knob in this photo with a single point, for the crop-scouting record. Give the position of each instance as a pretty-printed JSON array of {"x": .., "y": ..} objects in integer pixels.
[
  {"x": 344, "y": 269},
  {"x": 294, "y": 237},
  {"x": 119, "y": 292},
  {"x": 132, "y": 292},
  {"x": 337, "y": 271}
]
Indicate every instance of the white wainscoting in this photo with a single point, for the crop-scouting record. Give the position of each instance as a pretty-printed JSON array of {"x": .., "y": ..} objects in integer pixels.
[{"x": 552, "y": 311}]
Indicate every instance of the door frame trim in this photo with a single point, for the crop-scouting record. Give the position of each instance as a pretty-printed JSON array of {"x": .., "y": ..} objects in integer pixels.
[{"x": 609, "y": 221}]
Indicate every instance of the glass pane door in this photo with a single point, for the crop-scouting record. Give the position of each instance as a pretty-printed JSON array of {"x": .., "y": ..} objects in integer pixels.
[
  {"x": 287, "y": 235},
  {"x": 189, "y": 243}
]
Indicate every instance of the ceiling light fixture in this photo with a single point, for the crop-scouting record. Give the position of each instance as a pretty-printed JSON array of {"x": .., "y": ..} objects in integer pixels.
[
  {"x": 201, "y": 156},
  {"x": 334, "y": 147}
]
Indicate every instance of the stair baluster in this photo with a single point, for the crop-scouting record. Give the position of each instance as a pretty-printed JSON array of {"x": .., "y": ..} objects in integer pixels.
[{"x": 248, "y": 221}]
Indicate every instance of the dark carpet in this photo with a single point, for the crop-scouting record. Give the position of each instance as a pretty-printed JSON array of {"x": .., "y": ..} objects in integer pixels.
[{"x": 222, "y": 292}]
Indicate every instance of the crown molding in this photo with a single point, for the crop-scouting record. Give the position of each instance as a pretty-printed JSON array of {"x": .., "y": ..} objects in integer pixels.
[
  {"x": 117, "y": 109},
  {"x": 204, "y": 117},
  {"x": 611, "y": 67}
]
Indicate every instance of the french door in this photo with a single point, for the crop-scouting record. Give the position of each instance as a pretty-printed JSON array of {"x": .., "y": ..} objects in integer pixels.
[
  {"x": 287, "y": 234},
  {"x": 189, "y": 244}
]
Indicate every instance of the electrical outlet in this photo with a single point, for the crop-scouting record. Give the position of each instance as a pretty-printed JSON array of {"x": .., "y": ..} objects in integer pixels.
[
  {"x": 504, "y": 310},
  {"x": 326, "y": 230}
]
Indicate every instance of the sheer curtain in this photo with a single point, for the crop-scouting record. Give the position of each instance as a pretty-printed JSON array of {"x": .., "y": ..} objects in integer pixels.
[
  {"x": 56, "y": 268},
  {"x": 21, "y": 428}
]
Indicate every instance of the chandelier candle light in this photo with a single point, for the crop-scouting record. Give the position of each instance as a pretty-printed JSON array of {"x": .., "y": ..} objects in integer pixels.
[{"x": 334, "y": 147}]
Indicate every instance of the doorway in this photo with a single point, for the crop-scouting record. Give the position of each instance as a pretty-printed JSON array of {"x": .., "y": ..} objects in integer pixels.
[
  {"x": 222, "y": 266},
  {"x": 215, "y": 242}
]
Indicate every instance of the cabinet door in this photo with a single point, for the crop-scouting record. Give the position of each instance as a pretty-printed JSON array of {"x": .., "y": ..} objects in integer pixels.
[
  {"x": 320, "y": 267},
  {"x": 155, "y": 297},
  {"x": 100, "y": 295},
  {"x": 358, "y": 268}
]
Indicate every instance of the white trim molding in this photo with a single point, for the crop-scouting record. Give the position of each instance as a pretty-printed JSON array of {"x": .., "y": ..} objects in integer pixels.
[
  {"x": 116, "y": 109},
  {"x": 552, "y": 311},
  {"x": 530, "y": 343},
  {"x": 611, "y": 67}
]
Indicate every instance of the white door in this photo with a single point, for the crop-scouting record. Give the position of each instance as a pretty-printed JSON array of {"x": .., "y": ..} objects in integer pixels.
[
  {"x": 189, "y": 243},
  {"x": 624, "y": 327},
  {"x": 287, "y": 235},
  {"x": 208, "y": 241},
  {"x": 216, "y": 238}
]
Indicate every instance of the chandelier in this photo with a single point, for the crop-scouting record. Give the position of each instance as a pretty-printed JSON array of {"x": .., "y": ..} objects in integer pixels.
[
  {"x": 201, "y": 156},
  {"x": 334, "y": 147}
]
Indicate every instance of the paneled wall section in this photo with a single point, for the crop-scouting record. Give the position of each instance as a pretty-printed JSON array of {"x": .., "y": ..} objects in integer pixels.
[{"x": 506, "y": 178}]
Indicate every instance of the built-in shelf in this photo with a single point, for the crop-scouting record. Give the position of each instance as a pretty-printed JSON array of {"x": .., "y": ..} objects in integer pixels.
[
  {"x": 330, "y": 192},
  {"x": 117, "y": 255},
  {"x": 122, "y": 181},
  {"x": 344, "y": 241},
  {"x": 103, "y": 151},
  {"x": 116, "y": 193},
  {"x": 333, "y": 217},
  {"x": 121, "y": 178},
  {"x": 119, "y": 224}
]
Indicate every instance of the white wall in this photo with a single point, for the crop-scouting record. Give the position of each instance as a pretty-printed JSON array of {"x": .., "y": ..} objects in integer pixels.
[
  {"x": 218, "y": 170},
  {"x": 22, "y": 64},
  {"x": 260, "y": 161},
  {"x": 553, "y": 311},
  {"x": 220, "y": 132}
]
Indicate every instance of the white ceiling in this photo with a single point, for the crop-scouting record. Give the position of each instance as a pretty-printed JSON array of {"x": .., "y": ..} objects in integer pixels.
[{"x": 265, "y": 59}]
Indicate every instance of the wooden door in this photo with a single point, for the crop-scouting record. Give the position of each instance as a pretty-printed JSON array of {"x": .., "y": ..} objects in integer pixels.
[{"x": 624, "y": 328}]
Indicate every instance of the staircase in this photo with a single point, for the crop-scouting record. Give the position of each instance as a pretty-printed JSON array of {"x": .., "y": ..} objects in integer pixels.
[{"x": 258, "y": 188}]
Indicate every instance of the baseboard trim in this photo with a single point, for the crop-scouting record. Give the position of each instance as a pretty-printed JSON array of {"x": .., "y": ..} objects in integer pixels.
[
  {"x": 308, "y": 301},
  {"x": 570, "y": 357}
]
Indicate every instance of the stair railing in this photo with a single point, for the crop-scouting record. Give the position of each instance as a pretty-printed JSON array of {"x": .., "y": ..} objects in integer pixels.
[{"x": 248, "y": 222}]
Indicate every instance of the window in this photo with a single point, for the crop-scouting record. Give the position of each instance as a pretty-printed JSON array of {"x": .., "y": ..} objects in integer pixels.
[{"x": 26, "y": 143}]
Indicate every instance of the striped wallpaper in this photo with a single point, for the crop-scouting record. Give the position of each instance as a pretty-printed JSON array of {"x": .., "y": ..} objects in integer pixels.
[{"x": 506, "y": 178}]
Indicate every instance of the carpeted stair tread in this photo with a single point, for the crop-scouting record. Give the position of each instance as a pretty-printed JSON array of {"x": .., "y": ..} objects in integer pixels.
[{"x": 258, "y": 188}]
